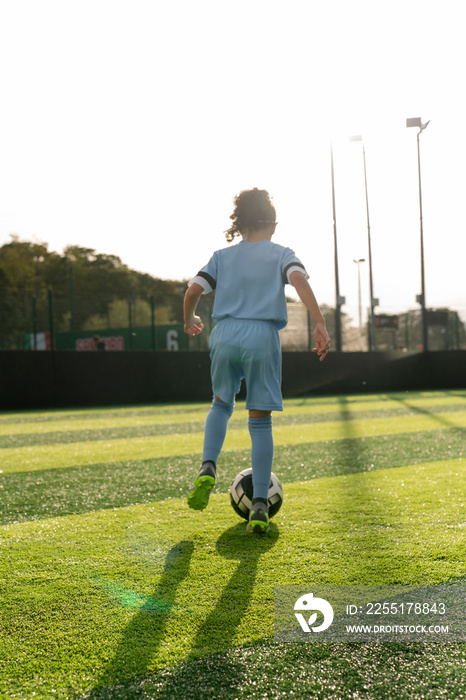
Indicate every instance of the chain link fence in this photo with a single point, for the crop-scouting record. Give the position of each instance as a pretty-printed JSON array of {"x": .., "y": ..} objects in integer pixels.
[{"x": 87, "y": 321}]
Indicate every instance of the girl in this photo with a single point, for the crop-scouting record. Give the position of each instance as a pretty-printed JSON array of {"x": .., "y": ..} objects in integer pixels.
[{"x": 249, "y": 309}]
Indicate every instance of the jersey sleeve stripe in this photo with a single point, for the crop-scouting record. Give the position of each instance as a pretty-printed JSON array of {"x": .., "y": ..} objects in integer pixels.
[
  {"x": 208, "y": 279},
  {"x": 292, "y": 267},
  {"x": 205, "y": 280}
]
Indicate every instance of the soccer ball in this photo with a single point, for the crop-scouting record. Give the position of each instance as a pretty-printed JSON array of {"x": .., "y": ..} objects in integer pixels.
[{"x": 241, "y": 491}]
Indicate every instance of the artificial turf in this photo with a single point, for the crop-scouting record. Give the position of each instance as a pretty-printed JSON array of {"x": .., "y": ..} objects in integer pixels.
[{"x": 113, "y": 588}]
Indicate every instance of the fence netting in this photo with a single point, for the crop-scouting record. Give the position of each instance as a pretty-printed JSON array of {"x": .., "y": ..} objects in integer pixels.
[{"x": 87, "y": 321}]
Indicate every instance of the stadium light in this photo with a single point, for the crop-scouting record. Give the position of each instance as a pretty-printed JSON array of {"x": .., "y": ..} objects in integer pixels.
[
  {"x": 339, "y": 300},
  {"x": 374, "y": 302},
  {"x": 421, "y": 298},
  {"x": 358, "y": 263}
]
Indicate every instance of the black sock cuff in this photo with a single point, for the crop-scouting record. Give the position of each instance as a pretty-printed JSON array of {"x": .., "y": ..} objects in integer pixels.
[
  {"x": 209, "y": 461},
  {"x": 260, "y": 500}
]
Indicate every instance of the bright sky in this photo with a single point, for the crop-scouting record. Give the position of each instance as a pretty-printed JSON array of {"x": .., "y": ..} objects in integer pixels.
[{"x": 127, "y": 126}]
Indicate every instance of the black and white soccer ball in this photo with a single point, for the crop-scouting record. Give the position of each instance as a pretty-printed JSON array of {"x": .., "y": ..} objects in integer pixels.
[{"x": 241, "y": 491}]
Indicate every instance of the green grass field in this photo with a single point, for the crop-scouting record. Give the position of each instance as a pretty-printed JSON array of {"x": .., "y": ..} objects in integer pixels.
[{"x": 111, "y": 587}]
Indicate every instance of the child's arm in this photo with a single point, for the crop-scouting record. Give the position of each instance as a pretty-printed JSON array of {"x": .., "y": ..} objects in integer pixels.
[
  {"x": 306, "y": 295},
  {"x": 192, "y": 323}
]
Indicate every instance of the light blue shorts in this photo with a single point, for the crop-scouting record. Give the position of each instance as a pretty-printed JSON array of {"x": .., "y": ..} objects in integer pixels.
[{"x": 249, "y": 350}]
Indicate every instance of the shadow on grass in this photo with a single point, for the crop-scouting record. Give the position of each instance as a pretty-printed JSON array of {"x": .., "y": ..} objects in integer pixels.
[
  {"x": 218, "y": 631},
  {"x": 444, "y": 422},
  {"x": 126, "y": 675},
  {"x": 360, "y": 532},
  {"x": 219, "y": 628},
  {"x": 145, "y": 633},
  {"x": 352, "y": 449},
  {"x": 365, "y": 514}
]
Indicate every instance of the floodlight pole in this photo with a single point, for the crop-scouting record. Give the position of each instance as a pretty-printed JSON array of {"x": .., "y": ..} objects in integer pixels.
[
  {"x": 423, "y": 277},
  {"x": 358, "y": 263},
  {"x": 339, "y": 300},
  {"x": 422, "y": 297},
  {"x": 374, "y": 302}
]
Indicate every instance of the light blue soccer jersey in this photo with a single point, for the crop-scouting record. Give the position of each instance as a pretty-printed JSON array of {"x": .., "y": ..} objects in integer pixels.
[{"x": 249, "y": 281}]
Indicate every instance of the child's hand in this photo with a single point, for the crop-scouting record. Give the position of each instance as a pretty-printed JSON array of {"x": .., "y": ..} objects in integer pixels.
[
  {"x": 193, "y": 326},
  {"x": 322, "y": 341}
]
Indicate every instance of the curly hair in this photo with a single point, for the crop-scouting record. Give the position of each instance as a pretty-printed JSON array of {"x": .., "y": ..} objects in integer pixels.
[{"x": 253, "y": 210}]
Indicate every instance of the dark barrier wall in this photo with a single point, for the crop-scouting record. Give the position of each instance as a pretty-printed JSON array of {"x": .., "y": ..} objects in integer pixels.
[{"x": 56, "y": 379}]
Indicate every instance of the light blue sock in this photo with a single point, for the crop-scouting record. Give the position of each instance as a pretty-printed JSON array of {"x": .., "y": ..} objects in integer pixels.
[
  {"x": 216, "y": 429},
  {"x": 260, "y": 430}
]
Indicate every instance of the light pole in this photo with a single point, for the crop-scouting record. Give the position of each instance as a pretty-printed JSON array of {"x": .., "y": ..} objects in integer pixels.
[
  {"x": 358, "y": 263},
  {"x": 374, "y": 302},
  {"x": 339, "y": 300},
  {"x": 421, "y": 298}
]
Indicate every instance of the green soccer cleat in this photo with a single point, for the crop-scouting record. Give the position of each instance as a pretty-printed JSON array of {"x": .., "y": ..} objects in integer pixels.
[
  {"x": 258, "y": 518},
  {"x": 205, "y": 482}
]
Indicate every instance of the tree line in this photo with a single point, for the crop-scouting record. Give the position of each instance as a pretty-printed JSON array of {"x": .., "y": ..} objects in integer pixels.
[{"x": 88, "y": 290}]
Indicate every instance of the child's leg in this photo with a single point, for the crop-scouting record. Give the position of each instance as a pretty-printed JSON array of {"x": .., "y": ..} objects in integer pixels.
[
  {"x": 214, "y": 437},
  {"x": 216, "y": 429},
  {"x": 260, "y": 429}
]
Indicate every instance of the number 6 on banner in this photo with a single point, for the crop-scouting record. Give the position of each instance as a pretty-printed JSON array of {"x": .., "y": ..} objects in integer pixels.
[{"x": 172, "y": 340}]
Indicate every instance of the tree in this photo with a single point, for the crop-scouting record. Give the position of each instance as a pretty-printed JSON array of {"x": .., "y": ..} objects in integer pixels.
[
  {"x": 118, "y": 316},
  {"x": 89, "y": 290}
]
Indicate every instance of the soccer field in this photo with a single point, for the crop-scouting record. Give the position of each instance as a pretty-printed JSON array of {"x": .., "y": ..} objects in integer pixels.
[{"x": 111, "y": 587}]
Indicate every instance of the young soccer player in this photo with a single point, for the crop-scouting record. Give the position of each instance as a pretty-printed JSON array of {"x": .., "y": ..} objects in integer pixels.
[{"x": 249, "y": 309}]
